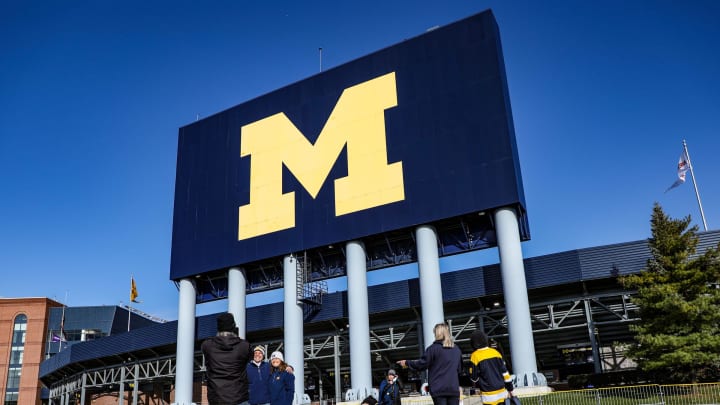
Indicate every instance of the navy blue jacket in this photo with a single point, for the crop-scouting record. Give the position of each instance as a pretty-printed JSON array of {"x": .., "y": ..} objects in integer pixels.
[
  {"x": 444, "y": 365},
  {"x": 389, "y": 394},
  {"x": 282, "y": 388},
  {"x": 259, "y": 382}
]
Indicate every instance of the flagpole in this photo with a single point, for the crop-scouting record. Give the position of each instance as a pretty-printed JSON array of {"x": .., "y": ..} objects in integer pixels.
[
  {"x": 129, "y": 302},
  {"x": 697, "y": 194},
  {"x": 62, "y": 325}
]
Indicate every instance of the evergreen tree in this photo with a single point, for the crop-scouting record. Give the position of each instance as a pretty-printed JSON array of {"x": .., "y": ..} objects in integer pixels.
[{"x": 678, "y": 336}]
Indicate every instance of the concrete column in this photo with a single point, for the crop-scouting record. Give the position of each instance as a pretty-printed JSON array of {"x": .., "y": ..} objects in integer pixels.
[
  {"x": 522, "y": 346},
  {"x": 430, "y": 286},
  {"x": 593, "y": 338},
  {"x": 82, "y": 391},
  {"x": 357, "y": 291},
  {"x": 185, "y": 343},
  {"x": 336, "y": 363},
  {"x": 121, "y": 392},
  {"x": 293, "y": 333},
  {"x": 237, "y": 299},
  {"x": 136, "y": 384}
]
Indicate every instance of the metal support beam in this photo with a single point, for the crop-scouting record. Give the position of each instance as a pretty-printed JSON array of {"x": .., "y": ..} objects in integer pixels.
[
  {"x": 121, "y": 393},
  {"x": 591, "y": 334},
  {"x": 336, "y": 361},
  {"x": 136, "y": 371}
]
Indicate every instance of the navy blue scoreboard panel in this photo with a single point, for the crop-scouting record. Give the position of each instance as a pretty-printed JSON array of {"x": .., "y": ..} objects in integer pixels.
[{"x": 412, "y": 134}]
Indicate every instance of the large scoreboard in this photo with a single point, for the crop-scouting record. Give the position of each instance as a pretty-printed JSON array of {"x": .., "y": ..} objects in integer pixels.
[{"x": 412, "y": 134}]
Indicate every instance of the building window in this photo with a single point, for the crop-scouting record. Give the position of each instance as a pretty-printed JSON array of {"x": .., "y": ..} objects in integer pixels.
[
  {"x": 91, "y": 334},
  {"x": 12, "y": 388},
  {"x": 16, "y": 355}
]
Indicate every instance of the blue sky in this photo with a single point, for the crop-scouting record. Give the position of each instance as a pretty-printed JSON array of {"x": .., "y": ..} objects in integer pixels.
[{"x": 92, "y": 95}]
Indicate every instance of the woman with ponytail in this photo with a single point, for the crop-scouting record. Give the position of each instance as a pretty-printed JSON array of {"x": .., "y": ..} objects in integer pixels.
[{"x": 443, "y": 360}]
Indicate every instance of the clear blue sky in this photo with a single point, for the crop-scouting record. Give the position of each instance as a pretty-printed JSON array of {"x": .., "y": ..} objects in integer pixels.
[{"x": 92, "y": 94}]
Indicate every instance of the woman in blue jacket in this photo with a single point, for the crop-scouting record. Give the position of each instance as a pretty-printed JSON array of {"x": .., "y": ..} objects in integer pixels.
[
  {"x": 282, "y": 383},
  {"x": 443, "y": 361}
]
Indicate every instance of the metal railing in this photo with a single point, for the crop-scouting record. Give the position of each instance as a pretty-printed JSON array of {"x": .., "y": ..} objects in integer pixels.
[{"x": 652, "y": 394}]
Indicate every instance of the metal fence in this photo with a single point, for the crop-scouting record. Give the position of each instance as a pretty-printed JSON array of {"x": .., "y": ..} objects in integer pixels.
[{"x": 653, "y": 394}]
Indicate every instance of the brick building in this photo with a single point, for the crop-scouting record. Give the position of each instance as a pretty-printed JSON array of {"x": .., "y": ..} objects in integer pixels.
[{"x": 23, "y": 336}]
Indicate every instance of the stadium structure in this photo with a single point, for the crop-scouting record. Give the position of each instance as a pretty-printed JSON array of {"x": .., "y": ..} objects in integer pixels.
[{"x": 580, "y": 319}]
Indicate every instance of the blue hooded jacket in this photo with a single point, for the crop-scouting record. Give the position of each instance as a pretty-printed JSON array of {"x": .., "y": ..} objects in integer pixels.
[
  {"x": 259, "y": 382},
  {"x": 282, "y": 388}
]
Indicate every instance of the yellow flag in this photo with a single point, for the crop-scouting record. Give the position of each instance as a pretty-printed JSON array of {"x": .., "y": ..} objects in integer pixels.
[{"x": 133, "y": 291}]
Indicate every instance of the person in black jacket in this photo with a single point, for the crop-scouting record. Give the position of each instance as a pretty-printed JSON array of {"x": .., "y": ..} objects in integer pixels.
[
  {"x": 226, "y": 359},
  {"x": 443, "y": 360}
]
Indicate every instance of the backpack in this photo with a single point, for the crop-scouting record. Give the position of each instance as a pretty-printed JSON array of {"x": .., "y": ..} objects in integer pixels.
[{"x": 370, "y": 400}]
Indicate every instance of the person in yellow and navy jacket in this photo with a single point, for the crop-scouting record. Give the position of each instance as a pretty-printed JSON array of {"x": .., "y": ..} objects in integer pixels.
[{"x": 489, "y": 372}]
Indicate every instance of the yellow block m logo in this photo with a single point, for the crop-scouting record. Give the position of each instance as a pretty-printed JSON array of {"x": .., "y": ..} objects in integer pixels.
[{"x": 358, "y": 121}]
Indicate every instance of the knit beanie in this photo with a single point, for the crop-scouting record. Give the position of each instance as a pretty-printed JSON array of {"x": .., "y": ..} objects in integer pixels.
[
  {"x": 277, "y": 355},
  {"x": 478, "y": 339},
  {"x": 259, "y": 349},
  {"x": 226, "y": 322}
]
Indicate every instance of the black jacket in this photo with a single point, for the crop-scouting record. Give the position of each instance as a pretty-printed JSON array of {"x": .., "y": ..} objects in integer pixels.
[
  {"x": 226, "y": 359},
  {"x": 444, "y": 365}
]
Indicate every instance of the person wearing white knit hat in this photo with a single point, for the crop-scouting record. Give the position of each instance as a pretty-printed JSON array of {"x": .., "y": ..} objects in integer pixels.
[
  {"x": 277, "y": 355},
  {"x": 282, "y": 382}
]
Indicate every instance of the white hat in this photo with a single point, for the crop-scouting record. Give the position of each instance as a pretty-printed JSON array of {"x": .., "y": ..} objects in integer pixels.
[{"x": 277, "y": 355}]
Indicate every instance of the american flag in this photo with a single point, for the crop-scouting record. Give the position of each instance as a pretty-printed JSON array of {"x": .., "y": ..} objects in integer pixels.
[{"x": 682, "y": 169}]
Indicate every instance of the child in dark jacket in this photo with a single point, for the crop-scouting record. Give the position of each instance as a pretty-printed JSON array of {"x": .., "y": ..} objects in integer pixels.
[{"x": 282, "y": 382}]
